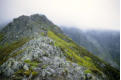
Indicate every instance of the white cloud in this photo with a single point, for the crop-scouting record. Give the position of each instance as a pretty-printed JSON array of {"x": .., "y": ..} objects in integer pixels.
[{"x": 97, "y": 14}]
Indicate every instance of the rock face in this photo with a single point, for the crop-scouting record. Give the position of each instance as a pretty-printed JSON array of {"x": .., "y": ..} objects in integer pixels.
[{"x": 33, "y": 48}]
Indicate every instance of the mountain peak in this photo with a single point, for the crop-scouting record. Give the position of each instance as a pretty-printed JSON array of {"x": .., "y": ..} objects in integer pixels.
[
  {"x": 32, "y": 47},
  {"x": 28, "y": 26}
]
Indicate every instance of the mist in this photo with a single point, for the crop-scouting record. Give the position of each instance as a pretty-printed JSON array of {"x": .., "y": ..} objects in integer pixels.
[{"x": 83, "y": 14}]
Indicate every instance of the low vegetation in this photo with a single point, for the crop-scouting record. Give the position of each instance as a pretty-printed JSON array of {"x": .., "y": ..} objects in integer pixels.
[
  {"x": 80, "y": 55},
  {"x": 7, "y": 48},
  {"x": 72, "y": 51},
  {"x": 1, "y": 36}
]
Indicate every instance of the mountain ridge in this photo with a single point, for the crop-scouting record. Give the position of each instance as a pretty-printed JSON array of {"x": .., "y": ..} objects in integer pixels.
[
  {"x": 104, "y": 44},
  {"x": 32, "y": 47}
]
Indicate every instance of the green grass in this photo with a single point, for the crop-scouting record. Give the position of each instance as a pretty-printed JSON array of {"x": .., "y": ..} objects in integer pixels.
[
  {"x": 32, "y": 63},
  {"x": 80, "y": 55},
  {"x": 42, "y": 33},
  {"x": 87, "y": 58},
  {"x": 87, "y": 71},
  {"x": 73, "y": 52},
  {"x": 20, "y": 73},
  {"x": 30, "y": 71},
  {"x": 8, "y": 48},
  {"x": 18, "y": 52}
]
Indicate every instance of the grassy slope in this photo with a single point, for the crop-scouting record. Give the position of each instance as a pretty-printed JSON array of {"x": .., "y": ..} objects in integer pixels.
[
  {"x": 7, "y": 48},
  {"x": 80, "y": 55}
]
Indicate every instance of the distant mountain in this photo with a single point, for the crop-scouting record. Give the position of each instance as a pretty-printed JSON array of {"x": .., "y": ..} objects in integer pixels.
[
  {"x": 33, "y": 48},
  {"x": 102, "y": 43}
]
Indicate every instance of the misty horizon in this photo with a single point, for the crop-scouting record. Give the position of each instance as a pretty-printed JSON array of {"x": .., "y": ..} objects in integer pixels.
[{"x": 95, "y": 14}]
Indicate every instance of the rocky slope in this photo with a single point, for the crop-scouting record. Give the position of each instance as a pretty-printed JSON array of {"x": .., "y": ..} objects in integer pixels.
[{"x": 33, "y": 48}]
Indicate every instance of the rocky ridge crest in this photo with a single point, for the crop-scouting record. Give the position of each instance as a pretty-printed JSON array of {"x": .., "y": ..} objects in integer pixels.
[{"x": 32, "y": 47}]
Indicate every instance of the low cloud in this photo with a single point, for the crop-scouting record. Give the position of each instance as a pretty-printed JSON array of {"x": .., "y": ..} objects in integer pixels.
[{"x": 84, "y": 14}]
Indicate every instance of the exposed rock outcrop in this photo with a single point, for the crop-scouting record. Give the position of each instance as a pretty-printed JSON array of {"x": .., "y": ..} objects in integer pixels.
[{"x": 32, "y": 47}]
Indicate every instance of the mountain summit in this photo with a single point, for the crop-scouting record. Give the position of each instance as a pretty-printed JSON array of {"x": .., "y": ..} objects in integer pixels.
[{"x": 33, "y": 48}]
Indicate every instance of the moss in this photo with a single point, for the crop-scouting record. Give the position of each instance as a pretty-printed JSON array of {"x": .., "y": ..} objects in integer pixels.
[
  {"x": 42, "y": 33},
  {"x": 87, "y": 71},
  {"x": 27, "y": 72},
  {"x": 34, "y": 73},
  {"x": 27, "y": 61},
  {"x": 44, "y": 66},
  {"x": 19, "y": 73},
  {"x": 32, "y": 63},
  {"x": 18, "y": 52},
  {"x": 22, "y": 72},
  {"x": 87, "y": 58}
]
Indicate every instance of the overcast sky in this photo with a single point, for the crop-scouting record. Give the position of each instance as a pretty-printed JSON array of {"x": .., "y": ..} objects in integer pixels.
[{"x": 90, "y": 14}]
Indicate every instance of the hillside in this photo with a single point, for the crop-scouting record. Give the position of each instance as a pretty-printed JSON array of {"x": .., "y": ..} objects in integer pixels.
[
  {"x": 103, "y": 43},
  {"x": 33, "y": 48}
]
